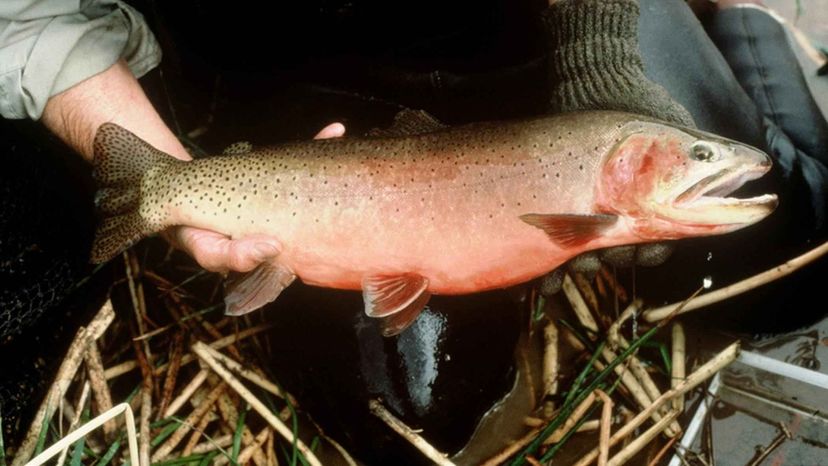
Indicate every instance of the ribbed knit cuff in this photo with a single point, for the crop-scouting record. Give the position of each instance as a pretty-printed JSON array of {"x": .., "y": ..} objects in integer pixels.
[{"x": 595, "y": 63}]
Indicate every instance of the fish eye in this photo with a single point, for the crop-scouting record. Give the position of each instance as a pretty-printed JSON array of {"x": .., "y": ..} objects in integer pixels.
[{"x": 704, "y": 151}]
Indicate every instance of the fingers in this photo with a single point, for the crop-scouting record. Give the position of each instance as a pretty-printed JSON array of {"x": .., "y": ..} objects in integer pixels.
[
  {"x": 333, "y": 130},
  {"x": 218, "y": 253}
]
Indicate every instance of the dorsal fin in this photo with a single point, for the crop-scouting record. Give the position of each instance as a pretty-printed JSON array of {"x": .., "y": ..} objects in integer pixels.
[
  {"x": 409, "y": 122},
  {"x": 570, "y": 230},
  {"x": 238, "y": 148},
  {"x": 395, "y": 299}
]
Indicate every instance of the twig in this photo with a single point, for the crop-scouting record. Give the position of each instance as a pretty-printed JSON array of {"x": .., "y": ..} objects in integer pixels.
[
  {"x": 202, "y": 409},
  {"x": 126, "y": 367},
  {"x": 614, "y": 331},
  {"x": 100, "y": 390},
  {"x": 619, "y": 290},
  {"x": 176, "y": 353},
  {"x": 550, "y": 364},
  {"x": 640, "y": 384},
  {"x": 578, "y": 304},
  {"x": 146, "y": 404},
  {"x": 678, "y": 365},
  {"x": 65, "y": 374},
  {"x": 253, "y": 377},
  {"x": 271, "y": 452},
  {"x": 573, "y": 419},
  {"x": 146, "y": 413},
  {"x": 186, "y": 393},
  {"x": 606, "y": 427},
  {"x": 718, "y": 362},
  {"x": 198, "y": 431},
  {"x": 784, "y": 435},
  {"x": 663, "y": 451},
  {"x": 211, "y": 445},
  {"x": 342, "y": 451},
  {"x": 646, "y": 382},
  {"x": 743, "y": 286},
  {"x": 207, "y": 353},
  {"x": 89, "y": 427},
  {"x": 378, "y": 410},
  {"x": 516, "y": 446},
  {"x": 642, "y": 440},
  {"x": 75, "y": 420},
  {"x": 586, "y": 291}
]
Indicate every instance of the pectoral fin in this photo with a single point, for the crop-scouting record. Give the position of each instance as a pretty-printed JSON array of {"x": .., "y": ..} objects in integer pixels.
[
  {"x": 247, "y": 292},
  {"x": 395, "y": 299},
  {"x": 571, "y": 230}
]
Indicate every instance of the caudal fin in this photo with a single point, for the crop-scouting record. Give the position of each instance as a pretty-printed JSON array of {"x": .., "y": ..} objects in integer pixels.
[{"x": 121, "y": 160}]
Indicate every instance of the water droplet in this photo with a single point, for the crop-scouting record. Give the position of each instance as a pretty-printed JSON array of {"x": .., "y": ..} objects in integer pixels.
[
  {"x": 709, "y": 256},
  {"x": 707, "y": 282}
]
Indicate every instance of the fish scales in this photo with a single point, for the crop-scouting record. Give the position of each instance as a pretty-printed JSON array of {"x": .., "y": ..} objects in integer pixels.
[
  {"x": 444, "y": 205},
  {"x": 452, "y": 211}
]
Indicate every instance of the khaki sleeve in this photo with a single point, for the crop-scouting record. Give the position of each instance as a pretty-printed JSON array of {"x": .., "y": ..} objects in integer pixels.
[{"x": 48, "y": 46}]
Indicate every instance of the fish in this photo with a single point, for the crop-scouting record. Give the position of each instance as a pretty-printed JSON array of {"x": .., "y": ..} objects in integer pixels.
[{"x": 445, "y": 211}]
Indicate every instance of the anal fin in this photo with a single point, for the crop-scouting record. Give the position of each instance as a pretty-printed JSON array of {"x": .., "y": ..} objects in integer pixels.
[
  {"x": 396, "y": 300},
  {"x": 571, "y": 230},
  {"x": 247, "y": 292}
]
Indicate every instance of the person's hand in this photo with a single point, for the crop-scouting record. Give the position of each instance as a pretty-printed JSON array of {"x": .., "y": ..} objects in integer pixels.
[{"x": 218, "y": 253}]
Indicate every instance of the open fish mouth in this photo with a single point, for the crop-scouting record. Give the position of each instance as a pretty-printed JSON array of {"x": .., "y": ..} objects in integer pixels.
[
  {"x": 715, "y": 190},
  {"x": 709, "y": 200}
]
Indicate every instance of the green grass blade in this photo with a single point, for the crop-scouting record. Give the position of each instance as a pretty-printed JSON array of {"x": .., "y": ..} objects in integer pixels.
[
  {"x": 77, "y": 452},
  {"x": 540, "y": 306},
  {"x": 237, "y": 435},
  {"x": 164, "y": 434},
  {"x": 110, "y": 453},
  {"x": 576, "y": 385},
  {"x": 183, "y": 460},
  {"x": 208, "y": 460}
]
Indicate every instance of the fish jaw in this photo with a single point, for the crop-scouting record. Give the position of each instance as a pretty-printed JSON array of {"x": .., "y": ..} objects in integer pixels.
[
  {"x": 707, "y": 205},
  {"x": 675, "y": 182}
]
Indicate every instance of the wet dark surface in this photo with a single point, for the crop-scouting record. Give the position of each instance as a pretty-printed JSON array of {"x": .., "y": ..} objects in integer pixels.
[{"x": 440, "y": 375}]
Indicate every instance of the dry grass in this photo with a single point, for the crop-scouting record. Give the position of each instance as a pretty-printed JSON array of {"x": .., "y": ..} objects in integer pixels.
[{"x": 142, "y": 361}]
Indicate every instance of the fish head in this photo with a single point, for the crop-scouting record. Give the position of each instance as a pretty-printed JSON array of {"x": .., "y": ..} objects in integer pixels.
[{"x": 670, "y": 182}]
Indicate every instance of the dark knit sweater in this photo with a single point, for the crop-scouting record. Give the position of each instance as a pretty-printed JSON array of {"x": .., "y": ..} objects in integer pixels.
[{"x": 595, "y": 62}]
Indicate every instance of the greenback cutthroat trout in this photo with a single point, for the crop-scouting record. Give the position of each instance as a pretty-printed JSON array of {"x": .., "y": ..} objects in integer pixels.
[{"x": 450, "y": 211}]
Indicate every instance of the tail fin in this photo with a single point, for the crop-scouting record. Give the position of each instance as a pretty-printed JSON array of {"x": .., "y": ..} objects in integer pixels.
[{"x": 121, "y": 160}]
